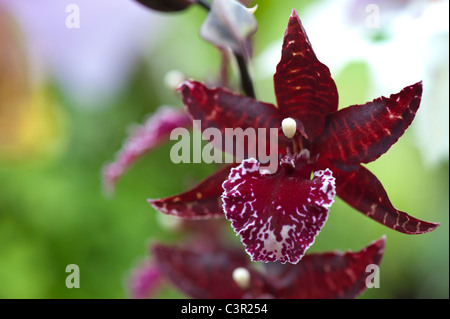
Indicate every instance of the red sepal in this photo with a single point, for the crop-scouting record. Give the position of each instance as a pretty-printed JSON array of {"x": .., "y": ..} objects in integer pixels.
[
  {"x": 326, "y": 275},
  {"x": 362, "y": 133},
  {"x": 364, "y": 192},
  {"x": 203, "y": 201},
  {"x": 303, "y": 85}
]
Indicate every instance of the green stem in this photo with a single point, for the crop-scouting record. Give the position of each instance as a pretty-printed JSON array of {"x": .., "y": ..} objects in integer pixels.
[{"x": 246, "y": 81}]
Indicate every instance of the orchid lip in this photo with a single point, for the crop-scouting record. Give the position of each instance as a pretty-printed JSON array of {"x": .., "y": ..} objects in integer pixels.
[{"x": 278, "y": 216}]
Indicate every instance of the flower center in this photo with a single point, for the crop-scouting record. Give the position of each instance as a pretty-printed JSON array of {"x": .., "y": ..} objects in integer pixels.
[{"x": 289, "y": 126}]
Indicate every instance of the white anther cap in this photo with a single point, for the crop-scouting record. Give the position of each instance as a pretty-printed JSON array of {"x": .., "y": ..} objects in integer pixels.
[
  {"x": 289, "y": 127},
  {"x": 241, "y": 277},
  {"x": 173, "y": 78}
]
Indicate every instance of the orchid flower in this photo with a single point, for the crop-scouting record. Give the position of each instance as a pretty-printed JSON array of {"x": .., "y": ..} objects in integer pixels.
[
  {"x": 226, "y": 273},
  {"x": 278, "y": 214}
]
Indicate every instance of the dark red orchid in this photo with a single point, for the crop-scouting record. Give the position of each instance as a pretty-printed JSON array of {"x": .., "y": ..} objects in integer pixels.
[
  {"x": 278, "y": 215},
  {"x": 226, "y": 273}
]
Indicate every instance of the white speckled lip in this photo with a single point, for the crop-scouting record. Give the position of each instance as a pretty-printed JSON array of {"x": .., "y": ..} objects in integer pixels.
[{"x": 277, "y": 216}]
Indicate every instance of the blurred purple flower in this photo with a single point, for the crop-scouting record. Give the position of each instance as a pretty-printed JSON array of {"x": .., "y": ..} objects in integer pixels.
[
  {"x": 91, "y": 62},
  {"x": 142, "y": 140},
  {"x": 144, "y": 280}
]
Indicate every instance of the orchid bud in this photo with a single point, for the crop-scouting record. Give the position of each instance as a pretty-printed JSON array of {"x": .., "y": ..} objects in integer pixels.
[
  {"x": 230, "y": 25},
  {"x": 167, "y": 5}
]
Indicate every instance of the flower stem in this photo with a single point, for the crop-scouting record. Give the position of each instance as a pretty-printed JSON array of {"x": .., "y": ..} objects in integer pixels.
[
  {"x": 204, "y": 4},
  {"x": 246, "y": 81}
]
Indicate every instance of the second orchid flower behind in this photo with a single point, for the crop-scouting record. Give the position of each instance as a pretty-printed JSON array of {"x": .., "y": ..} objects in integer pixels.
[
  {"x": 278, "y": 215},
  {"x": 205, "y": 271}
]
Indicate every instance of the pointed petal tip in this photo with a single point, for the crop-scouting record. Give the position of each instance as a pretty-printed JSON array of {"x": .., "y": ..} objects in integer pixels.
[
  {"x": 418, "y": 227},
  {"x": 189, "y": 84},
  {"x": 109, "y": 179},
  {"x": 144, "y": 280},
  {"x": 294, "y": 13},
  {"x": 155, "y": 203},
  {"x": 295, "y": 17},
  {"x": 429, "y": 227},
  {"x": 417, "y": 87},
  {"x": 183, "y": 84},
  {"x": 379, "y": 243}
]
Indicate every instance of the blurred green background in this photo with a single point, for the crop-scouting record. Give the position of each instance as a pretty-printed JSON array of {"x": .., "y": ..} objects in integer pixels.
[{"x": 53, "y": 212}]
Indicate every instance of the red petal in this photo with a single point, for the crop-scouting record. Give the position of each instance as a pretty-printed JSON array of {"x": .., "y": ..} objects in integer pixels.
[
  {"x": 203, "y": 201},
  {"x": 207, "y": 274},
  {"x": 363, "y": 191},
  {"x": 303, "y": 85},
  {"x": 221, "y": 109},
  {"x": 362, "y": 133},
  {"x": 143, "y": 139},
  {"x": 326, "y": 275},
  {"x": 277, "y": 215}
]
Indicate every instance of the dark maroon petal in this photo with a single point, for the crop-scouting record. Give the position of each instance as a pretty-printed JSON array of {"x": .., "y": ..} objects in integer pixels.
[
  {"x": 207, "y": 274},
  {"x": 142, "y": 140},
  {"x": 167, "y": 5},
  {"x": 326, "y": 275},
  {"x": 221, "y": 109},
  {"x": 203, "y": 201},
  {"x": 303, "y": 85},
  {"x": 362, "y": 133},
  {"x": 277, "y": 215},
  {"x": 364, "y": 192}
]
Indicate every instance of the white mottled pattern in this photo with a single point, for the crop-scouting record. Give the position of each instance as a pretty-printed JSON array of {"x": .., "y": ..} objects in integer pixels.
[{"x": 277, "y": 215}]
